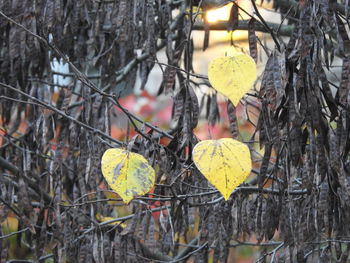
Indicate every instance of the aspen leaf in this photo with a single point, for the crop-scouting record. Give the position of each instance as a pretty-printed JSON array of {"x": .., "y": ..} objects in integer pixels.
[
  {"x": 127, "y": 173},
  {"x": 226, "y": 163},
  {"x": 232, "y": 76}
]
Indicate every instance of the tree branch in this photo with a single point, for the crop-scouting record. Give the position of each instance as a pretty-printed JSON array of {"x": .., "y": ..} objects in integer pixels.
[
  {"x": 8, "y": 166},
  {"x": 283, "y": 30}
]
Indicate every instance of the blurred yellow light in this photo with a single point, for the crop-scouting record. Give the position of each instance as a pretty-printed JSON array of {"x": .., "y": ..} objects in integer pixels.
[
  {"x": 223, "y": 14},
  {"x": 219, "y": 14}
]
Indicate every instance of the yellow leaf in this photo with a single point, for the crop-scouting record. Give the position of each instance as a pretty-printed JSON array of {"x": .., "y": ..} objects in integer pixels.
[
  {"x": 232, "y": 76},
  {"x": 127, "y": 173},
  {"x": 226, "y": 163}
]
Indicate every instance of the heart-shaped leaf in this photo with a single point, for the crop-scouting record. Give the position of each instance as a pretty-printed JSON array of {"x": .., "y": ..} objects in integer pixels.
[
  {"x": 232, "y": 76},
  {"x": 226, "y": 163},
  {"x": 127, "y": 173}
]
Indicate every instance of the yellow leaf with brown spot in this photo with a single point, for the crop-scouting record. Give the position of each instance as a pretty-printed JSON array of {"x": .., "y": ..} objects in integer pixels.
[
  {"x": 127, "y": 173},
  {"x": 226, "y": 163},
  {"x": 232, "y": 76}
]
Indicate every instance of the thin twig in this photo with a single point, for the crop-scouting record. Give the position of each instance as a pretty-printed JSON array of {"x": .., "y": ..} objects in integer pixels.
[
  {"x": 266, "y": 25},
  {"x": 14, "y": 233}
]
